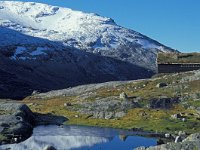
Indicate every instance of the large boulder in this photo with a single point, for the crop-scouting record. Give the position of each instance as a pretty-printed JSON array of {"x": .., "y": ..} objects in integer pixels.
[
  {"x": 163, "y": 102},
  {"x": 16, "y": 122},
  {"x": 161, "y": 85}
]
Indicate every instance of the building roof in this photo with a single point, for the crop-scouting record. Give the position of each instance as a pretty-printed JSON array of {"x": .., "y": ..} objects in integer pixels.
[{"x": 178, "y": 58}]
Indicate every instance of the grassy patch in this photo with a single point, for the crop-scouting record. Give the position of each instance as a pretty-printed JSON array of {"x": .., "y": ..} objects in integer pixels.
[
  {"x": 178, "y": 58},
  {"x": 2, "y": 137},
  {"x": 194, "y": 103},
  {"x": 153, "y": 120},
  {"x": 141, "y": 118}
]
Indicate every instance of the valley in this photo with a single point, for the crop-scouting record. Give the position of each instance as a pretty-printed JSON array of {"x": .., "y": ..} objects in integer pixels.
[{"x": 82, "y": 73}]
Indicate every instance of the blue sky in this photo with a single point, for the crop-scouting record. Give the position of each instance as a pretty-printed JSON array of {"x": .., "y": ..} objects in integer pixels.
[{"x": 175, "y": 23}]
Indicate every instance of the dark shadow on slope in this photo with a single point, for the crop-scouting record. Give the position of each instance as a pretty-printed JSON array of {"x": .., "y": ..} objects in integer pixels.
[
  {"x": 61, "y": 68},
  {"x": 49, "y": 119}
]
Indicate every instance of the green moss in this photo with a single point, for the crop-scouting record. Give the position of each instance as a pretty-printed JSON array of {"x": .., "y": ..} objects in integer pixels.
[
  {"x": 178, "y": 58},
  {"x": 155, "y": 120},
  {"x": 4, "y": 112},
  {"x": 2, "y": 138},
  {"x": 158, "y": 121},
  {"x": 194, "y": 103}
]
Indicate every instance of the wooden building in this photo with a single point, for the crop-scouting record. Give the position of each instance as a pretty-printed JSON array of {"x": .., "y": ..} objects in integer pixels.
[{"x": 178, "y": 62}]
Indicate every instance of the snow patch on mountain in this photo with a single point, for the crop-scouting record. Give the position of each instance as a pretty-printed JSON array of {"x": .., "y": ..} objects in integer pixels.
[
  {"x": 63, "y": 24},
  {"x": 47, "y": 48},
  {"x": 38, "y": 51},
  {"x": 18, "y": 51},
  {"x": 74, "y": 29}
]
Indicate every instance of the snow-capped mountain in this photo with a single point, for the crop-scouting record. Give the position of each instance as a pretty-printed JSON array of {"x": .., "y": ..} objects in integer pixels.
[{"x": 58, "y": 47}]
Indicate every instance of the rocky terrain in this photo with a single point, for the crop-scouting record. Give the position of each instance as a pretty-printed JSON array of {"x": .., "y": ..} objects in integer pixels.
[
  {"x": 165, "y": 99},
  {"x": 17, "y": 121},
  {"x": 192, "y": 142},
  {"x": 167, "y": 104},
  {"x": 48, "y": 48},
  {"x": 45, "y": 48}
]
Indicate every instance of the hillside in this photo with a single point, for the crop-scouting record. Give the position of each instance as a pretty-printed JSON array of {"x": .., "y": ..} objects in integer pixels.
[
  {"x": 166, "y": 103},
  {"x": 46, "y": 48}
]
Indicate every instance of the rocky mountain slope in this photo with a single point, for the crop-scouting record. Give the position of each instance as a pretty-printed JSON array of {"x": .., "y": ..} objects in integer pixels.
[
  {"x": 46, "y": 47},
  {"x": 167, "y": 104},
  {"x": 172, "y": 102}
]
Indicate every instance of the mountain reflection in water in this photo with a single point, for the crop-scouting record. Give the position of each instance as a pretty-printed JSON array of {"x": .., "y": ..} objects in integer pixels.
[{"x": 81, "y": 138}]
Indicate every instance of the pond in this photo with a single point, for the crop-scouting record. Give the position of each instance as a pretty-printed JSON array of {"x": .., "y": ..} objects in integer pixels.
[{"x": 81, "y": 138}]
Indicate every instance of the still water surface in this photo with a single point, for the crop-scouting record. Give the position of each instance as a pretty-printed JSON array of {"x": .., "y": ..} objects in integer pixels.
[{"x": 81, "y": 138}]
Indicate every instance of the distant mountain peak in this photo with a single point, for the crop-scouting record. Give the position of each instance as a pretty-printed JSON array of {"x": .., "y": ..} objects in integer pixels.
[{"x": 62, "y": 24}]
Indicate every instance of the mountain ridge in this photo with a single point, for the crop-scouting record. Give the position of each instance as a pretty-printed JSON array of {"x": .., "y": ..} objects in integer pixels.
[
  {"x": 87, "y": 31},
  {"x": 46, "y": 48}
]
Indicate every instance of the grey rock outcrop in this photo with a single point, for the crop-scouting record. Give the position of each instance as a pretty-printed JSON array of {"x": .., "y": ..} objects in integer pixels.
[
  {"x": 176, "y": 116},
  {"x": 123, "y": 96},
  {"x": 192, "y": 142},
  {"x": 161, "y": 85},
  {"x": 16, "y": 122},
  {"x": 193, "y": 137},
  {"x": 163, "y": 102},
  {"x": 194, "y": 77},
  {"x": 106, "y": 108}
]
